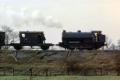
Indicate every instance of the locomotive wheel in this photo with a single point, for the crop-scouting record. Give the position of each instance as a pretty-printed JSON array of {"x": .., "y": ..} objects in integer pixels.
[
  {"x": 18, "y": 47},
  {"x": 44, "y": 47}
]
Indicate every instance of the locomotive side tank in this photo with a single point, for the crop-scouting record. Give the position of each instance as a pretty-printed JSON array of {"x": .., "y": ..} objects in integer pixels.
[{"x": 82, "y": 40}]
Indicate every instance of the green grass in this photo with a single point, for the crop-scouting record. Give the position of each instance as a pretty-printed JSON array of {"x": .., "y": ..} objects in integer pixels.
[{"x": 60, "y": 78}]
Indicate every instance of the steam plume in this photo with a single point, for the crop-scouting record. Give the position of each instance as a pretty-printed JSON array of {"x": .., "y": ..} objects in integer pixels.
[{"x": 27, "y": 18}]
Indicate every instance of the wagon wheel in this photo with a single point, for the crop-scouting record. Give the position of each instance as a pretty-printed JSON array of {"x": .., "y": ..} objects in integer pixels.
[
  {"x": 18, "y": 47},
  {"x": 91, "y": 48},
  {"x": 71, "y": 49},
  {"x": 44, "y": 47}
]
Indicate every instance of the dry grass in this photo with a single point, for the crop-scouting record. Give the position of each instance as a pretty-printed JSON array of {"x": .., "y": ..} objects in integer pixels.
[{"x": 91, "y": 63}]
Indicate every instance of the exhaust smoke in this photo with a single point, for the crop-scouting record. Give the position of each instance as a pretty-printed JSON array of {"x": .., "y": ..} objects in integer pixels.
[{"x": 26, "y": 17}]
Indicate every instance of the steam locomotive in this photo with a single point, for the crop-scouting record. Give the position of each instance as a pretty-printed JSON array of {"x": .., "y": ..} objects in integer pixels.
[
  {"x": 70, "y": 40},
  {"x": 82, "y": 40}
]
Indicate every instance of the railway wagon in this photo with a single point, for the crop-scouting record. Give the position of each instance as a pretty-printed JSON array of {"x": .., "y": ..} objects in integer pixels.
[
  {"x": 2, "y": 39},
  {"x": 82, "y": 40},
  {"x": 31, "y": 38}
]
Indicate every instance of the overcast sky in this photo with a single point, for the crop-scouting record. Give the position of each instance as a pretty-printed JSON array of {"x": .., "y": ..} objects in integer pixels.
[{"x": 52, "y": 16}]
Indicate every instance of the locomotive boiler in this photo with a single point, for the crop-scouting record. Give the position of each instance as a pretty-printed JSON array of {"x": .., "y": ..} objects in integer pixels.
[{"x": 82, "y": 40}]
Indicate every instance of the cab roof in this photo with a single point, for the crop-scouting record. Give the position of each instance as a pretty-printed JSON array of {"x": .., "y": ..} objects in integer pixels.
[{"x": 31, "y": 32}]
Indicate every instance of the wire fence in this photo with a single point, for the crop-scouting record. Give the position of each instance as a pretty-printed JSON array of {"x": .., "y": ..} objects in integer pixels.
[{"x": 9, "y": 71}]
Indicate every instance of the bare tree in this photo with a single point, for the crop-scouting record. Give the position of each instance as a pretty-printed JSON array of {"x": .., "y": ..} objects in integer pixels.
[
  {"x": 13, "y": 37},
  {"x": 118, "y": 44},
  {"x": 112, "y": 47},
  {"x": 9, "y": 35},
  {"x": 108, "y": 42},
  {"x": 7, "y": 31}
]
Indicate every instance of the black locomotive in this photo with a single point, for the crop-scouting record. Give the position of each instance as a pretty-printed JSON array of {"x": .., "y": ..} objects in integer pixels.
[
  {"x": 82, "y": 40},
  {"x": 70, "y": 40}
]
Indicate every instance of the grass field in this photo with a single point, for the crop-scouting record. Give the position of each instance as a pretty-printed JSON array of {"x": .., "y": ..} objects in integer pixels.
[
  {"x": 60, "y": 78},
  {"x": 44, "y": 67}
]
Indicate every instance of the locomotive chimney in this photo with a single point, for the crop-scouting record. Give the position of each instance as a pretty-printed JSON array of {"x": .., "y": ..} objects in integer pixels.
[
  {"x": 79, "y": 31},
  {"x": 64, "y": 31}
]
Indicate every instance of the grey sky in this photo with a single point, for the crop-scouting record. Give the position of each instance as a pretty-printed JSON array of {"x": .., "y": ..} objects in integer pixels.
[{"x": 72, "y": 15}]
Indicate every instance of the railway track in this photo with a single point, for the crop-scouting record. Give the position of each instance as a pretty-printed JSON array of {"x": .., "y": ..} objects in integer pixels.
[{"x": 59, "y": 52}]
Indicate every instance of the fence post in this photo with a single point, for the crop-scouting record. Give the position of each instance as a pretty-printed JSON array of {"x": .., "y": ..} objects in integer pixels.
[
  {"x": 46, "y": 72},
  {"x": 13, "y": 71},
  {"x": 31, "y": 73},
  {"x": 4, "y": 72},
  {"x": 101, "y": 71},
  {"x": 95, "y": 72}
]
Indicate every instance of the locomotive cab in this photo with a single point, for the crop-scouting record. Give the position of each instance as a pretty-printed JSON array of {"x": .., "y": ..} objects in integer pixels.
[{"x": 98, "y": 37}]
